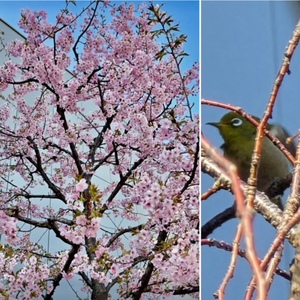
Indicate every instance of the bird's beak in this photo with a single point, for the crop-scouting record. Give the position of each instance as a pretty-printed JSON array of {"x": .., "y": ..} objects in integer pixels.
[{"x": 215, "y": 124}]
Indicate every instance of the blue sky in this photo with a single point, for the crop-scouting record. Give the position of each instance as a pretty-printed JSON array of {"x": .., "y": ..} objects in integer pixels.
[{"x": 243, "y": 43}]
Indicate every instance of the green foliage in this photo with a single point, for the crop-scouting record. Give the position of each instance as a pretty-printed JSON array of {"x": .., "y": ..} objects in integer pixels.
[{"x": 168, "y": 31}]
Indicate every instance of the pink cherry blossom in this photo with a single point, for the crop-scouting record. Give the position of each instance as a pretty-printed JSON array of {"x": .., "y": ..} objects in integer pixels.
[
  {"x": 81, "y": 185},
  {"x": 120, "y": 120}
]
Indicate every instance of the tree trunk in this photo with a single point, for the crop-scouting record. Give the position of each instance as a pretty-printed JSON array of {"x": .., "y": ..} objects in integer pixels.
[{"x": 99, "y": 291}]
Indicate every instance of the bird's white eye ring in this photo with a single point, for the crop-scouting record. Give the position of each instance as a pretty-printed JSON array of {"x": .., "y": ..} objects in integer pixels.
[{"x": 236, "y": 122}]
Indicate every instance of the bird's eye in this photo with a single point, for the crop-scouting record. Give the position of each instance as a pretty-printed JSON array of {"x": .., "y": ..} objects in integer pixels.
[{"x": 236, "y": 122}]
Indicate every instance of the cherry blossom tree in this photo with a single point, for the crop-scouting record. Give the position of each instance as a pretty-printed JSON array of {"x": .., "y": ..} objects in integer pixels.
[{"x": 86, "y": 98}]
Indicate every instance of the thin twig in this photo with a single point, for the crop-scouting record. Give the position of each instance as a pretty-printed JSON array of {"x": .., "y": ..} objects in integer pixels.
[
  {"x": 273, "y": 266},
  {"x": 231, "y": 268},
  {"x": 211, "y": 191}
]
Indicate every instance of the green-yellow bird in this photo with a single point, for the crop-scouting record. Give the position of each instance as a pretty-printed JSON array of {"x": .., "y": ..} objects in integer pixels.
[{"x": 239, "y": 140}]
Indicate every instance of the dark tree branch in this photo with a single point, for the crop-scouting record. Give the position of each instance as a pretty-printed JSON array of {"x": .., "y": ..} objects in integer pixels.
[
  {"x": 99, "y": 140},
  {"x": 53, "y": 226},
  {"x": 60, "y": 149},
  {"x": 136, "y": 261},
  {"x": 217, "y": 221},
  {"x": 85, "y": 30},
  {"x": 86, "y": 279},
  {"x": 121, "y": 183},
  {"x": 38, "y": 165},
  {"x": 195, "y": 166},
  {"x": 123, "y": 231},
  {"x": 102, "y": 161},
  {"x": 58, "y": 278},
  {"x": 30, "y": 196},
  {"x": 144, "y": 282},
  {"x": 148, "y": 272},
  {"x": 117, "y": 159},
  {"x": 75, "y": 155},
  {"x": 186, "y": 291}
]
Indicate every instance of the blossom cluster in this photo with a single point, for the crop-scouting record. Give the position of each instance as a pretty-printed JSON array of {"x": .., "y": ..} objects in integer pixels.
[{"x": 104, "y": 155}]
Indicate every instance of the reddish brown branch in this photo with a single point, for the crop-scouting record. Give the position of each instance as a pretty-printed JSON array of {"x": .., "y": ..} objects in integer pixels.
[
  {"x": 231, "y": 268},
  {"x": 241, "y": 253}
]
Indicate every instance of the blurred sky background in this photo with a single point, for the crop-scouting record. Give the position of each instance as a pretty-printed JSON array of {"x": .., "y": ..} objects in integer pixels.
[
  {"x": 186, "y": 13},
  {"x": 243, "y": 44}
]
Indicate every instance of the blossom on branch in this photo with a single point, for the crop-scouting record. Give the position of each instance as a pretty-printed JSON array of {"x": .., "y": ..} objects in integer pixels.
[
  {"x": 109, "y": 104},
  {"x": 81, "y": 185}
]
